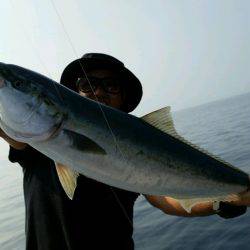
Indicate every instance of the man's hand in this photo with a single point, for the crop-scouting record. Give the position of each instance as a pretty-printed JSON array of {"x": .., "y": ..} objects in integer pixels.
[
  {"x": 15, "y": 144},
  {"x": 173, "y": 207},
  {"x": 244, "y": 199}
]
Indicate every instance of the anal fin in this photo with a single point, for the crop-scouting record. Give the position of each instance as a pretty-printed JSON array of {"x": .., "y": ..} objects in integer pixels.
[{"x": 68, "y": 179}]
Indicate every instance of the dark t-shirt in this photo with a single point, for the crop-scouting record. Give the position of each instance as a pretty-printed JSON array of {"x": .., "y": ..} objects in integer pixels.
[{"x": 98, "y": 217}]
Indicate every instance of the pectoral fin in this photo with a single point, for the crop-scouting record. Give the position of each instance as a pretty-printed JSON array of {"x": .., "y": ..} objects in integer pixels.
[
  {"x": 68, "y": 179},
  {"x": 83, "y": 143}
]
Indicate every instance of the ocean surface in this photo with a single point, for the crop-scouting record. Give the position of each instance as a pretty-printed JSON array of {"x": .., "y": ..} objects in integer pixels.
[{"x": 221, "y": 127}]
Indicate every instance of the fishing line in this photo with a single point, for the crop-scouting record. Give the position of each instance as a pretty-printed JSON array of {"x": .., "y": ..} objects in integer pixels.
[
  {"x": 37, "y": 55},
  {"x": 104, "y": 116},
  {"x": 21, "y": 25}
]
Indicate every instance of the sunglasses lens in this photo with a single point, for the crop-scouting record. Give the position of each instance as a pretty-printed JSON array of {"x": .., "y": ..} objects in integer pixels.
[
  {"x": 111, "y": 86},
  {"x": 83, "y": 85}
]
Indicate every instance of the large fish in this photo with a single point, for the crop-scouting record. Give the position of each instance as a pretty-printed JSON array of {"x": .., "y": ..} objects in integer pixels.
[{"x": 141, "y": 155}]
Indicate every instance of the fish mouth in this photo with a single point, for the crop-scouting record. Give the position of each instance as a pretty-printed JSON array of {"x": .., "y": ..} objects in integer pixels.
[{"x": 33, "y": 110}]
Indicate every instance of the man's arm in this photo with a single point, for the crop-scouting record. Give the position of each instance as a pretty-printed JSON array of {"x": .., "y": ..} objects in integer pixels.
[
  {"x": 171, "y": 206},
  {"x": 15, "y": 144}
]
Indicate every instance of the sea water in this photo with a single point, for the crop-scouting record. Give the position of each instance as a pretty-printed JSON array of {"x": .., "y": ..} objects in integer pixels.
[{"x": 222, "y": 128}]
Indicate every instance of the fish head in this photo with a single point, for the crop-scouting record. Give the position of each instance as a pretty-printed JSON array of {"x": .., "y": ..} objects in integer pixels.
[{"x": 27, "y": 113}]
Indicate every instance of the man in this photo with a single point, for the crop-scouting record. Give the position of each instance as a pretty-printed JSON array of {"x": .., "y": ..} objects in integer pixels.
[{"x": 98, "y": 216}]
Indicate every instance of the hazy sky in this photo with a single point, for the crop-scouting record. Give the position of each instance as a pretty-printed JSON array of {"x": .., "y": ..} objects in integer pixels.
[{"x": 184, "y": 52}]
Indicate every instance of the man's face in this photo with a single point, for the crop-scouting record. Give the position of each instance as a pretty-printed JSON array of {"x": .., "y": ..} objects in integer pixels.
[{"x": 105, "y": 88}]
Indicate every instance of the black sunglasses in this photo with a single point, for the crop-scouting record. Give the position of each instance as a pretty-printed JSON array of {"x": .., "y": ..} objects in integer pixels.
[{"x": 108, "y": 84}]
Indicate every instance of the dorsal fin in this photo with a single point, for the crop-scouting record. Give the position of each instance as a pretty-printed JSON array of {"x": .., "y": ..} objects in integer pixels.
[{"x": 162, "y": 120}]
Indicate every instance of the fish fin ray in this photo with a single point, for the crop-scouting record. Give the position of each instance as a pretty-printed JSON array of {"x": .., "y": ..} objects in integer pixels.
[
  {"x": 68, "y": 179},
  {"x": 162, "y": 120},
  {"x": 187, "y": 204}
]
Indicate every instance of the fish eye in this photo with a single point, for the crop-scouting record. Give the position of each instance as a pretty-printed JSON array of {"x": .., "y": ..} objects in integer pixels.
[{"x": 17, "y": 84}]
